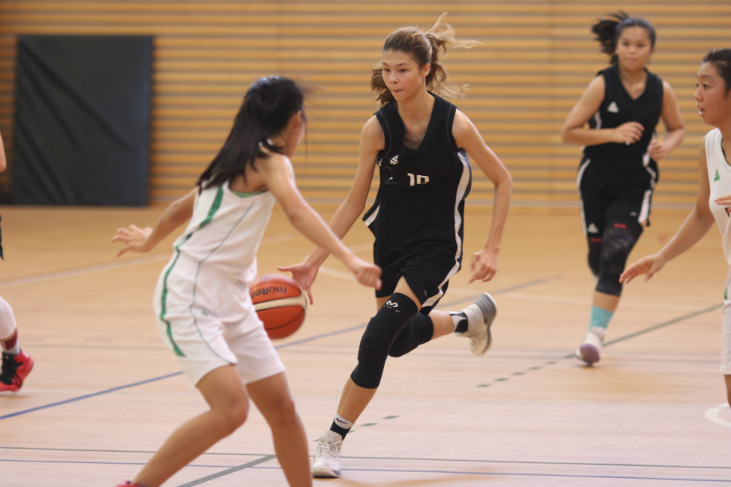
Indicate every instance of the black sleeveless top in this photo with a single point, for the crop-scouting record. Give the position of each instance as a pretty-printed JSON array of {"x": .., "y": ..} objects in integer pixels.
[
  {"x": 420, "y": 200},
  {"x": 619, "y": 107}
]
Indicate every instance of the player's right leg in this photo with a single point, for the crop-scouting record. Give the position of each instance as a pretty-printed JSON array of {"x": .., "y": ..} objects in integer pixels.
[{"x": 395, "y": 311}]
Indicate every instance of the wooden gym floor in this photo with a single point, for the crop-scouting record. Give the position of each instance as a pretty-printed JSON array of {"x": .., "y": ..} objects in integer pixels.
[{"x": 105, "y": 393}]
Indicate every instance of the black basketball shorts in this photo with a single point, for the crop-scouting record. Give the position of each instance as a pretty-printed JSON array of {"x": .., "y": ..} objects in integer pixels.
[{"x": 427, "y": 272}]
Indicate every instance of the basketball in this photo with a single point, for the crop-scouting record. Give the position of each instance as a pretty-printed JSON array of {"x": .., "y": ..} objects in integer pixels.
[{"x": 280, "y": 304}]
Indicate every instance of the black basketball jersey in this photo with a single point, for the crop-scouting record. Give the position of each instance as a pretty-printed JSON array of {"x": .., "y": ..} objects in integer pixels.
[
  {"x": 619, "y": 107},
  {"x": 420, "y": 200}
]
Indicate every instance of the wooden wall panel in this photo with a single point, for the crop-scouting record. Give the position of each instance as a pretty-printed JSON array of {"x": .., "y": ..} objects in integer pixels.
[{"x": 535, "y": 59}]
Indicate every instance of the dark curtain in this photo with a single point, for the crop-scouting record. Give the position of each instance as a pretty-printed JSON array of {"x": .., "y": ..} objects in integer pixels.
[{"x": 82, "y": 120}]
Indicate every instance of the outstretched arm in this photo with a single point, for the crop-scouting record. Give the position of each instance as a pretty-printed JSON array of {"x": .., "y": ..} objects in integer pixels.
[
  {"x": 279, "y": 178},
  {"x": 694, "y": 227},
  {"x": 371, "y": 141},
  {"x": 485, "y": 262},
  {"x": 145, "y": 239}
]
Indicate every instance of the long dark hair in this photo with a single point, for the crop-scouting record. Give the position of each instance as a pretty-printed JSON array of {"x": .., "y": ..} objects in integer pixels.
[
  {"x": 721, "y": 60},
  {"x": 267, "y": 108},
  {"x": 608, "y": 30}
]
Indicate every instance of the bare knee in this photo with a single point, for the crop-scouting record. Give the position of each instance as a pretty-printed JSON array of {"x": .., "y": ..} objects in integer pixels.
[
  {"x": 280, "y": 412},
  {"x": 285, "y": 410},
  {"x": 231, "y": 416}
]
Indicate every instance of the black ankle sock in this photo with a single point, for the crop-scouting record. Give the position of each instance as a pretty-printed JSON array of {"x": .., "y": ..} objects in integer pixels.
[
  {"x": 341, "y": 426},
  {"x": 336, "y": 428},
  {"x": 462, "y": 324}
]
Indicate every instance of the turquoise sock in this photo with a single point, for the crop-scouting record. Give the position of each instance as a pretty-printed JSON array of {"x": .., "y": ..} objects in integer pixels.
[{"x": 600, "y": 318}]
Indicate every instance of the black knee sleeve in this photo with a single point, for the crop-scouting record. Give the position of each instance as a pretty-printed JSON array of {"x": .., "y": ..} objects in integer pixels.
[
  {"x": 595, "y": 250},
  {"x": 619, "y": 240},
  {"x": 378, "y": 338},
  {"x": 417, "y": 331}
]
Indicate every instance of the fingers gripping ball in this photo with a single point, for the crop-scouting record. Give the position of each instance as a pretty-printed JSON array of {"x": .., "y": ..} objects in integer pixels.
[{"x": 280, "y": 304}]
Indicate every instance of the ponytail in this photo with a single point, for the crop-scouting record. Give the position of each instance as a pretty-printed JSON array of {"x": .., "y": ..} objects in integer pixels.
[
  {"x": 425, "y": 47},
  {"x": 608, "y": 30},
  {"x": 267, "y": 108}
]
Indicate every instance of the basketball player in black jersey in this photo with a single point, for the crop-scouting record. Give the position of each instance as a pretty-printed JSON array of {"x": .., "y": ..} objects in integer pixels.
[
  {"x": 618, "y": 171},
  {"x": 419, "y": 142}
]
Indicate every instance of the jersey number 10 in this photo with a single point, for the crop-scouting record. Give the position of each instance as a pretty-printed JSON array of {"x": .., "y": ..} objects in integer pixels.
[{"x": 415, "y": 179}]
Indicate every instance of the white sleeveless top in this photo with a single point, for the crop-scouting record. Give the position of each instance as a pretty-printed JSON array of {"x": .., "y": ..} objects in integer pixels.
[
  {"x": 225, "y": 231},
  {"x": 719, "y": 179}
]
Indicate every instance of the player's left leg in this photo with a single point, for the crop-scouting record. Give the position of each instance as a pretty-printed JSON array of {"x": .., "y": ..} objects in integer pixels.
[
  {"x": 273, "y": 399},
  {"x": 626, "y": 214},
  {"x": 16, "y": 364}
]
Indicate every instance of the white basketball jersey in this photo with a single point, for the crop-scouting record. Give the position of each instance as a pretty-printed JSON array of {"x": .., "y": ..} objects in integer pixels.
[
  {"x": 719, "y": 178},
  {"x": 226, "y": 229}
]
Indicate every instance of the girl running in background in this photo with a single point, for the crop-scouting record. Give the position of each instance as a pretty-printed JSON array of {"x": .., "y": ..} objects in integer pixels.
[{"x": 618, "y": 171}]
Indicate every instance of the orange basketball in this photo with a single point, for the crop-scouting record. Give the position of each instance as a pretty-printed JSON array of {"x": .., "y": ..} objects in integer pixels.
[{"x": 280, "y": 304}]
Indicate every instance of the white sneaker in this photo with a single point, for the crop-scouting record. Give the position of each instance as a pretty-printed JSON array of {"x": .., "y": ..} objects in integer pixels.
[
  {"x": 590, "y": 350},
  {"x": 480, "y": 315},
  {"x": 326, "y": 463}
]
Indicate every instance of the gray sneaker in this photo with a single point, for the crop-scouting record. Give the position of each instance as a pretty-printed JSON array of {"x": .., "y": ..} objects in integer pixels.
[
  {"x": 326, "y": 463},
  {"x": 480, "y": 315}
]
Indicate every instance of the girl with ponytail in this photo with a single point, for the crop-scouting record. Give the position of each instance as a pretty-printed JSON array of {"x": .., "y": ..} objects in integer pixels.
[
  {"x": 202, "y": 303},
  {"x": 615, "y": 122},
  {"x": 420, "y": 143}
]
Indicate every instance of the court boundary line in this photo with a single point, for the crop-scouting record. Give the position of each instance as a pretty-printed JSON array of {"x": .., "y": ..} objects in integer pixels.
[{"x": 407, "y": 459}]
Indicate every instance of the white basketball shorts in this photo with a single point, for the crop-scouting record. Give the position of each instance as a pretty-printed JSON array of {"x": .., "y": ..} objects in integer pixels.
[{"x": 207, "y": 319}]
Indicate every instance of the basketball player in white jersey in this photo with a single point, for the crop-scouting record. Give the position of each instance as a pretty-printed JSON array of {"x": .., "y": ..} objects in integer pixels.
[
  {"x": 16, "y": 364},
  {"x": 202, "y": 303},
  {"x": 713, "y": 98}
]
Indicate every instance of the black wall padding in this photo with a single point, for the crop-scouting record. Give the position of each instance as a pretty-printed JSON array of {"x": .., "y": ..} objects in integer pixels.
[{"x": 82, "y": 120}]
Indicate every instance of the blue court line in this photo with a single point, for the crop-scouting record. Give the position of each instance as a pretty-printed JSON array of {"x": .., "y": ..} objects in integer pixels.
[
  {"x": 375, "y": 458},
  {"x": 87, "y": 396},
  {"x": 285, "y": 345},
  {"x": 267, "y": 457}
]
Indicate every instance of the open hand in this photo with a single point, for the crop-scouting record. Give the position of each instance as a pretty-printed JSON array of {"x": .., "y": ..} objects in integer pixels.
[
  {"x": 134, "y": 239},
  {"x": 649, "y": 266}
]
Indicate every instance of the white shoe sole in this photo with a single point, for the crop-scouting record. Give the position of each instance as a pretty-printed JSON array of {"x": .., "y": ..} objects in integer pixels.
[
  {"x": 322, "y": 472},
  {"x": 488, "y": 309}
]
